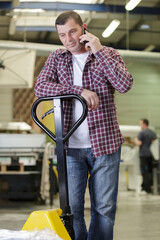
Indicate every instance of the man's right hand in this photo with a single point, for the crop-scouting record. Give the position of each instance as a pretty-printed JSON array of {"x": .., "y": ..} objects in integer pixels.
[{"x": 91, "y": 98}]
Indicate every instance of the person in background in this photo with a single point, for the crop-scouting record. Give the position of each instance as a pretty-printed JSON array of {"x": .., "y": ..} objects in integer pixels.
[
  {"x": 144, "y": 141},
  {"x": 93, "y": 71}
]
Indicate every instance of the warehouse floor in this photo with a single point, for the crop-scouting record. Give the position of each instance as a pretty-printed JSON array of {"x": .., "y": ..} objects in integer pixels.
[{"x": 137, "y": 216}]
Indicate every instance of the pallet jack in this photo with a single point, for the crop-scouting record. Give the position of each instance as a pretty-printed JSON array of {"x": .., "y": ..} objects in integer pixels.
[{"x": 59, "y": 220}]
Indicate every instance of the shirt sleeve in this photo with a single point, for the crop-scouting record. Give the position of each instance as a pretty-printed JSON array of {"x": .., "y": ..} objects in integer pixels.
[
  {"x": 154, "y": 136},
  {"x": 114, "y": 69},
  {"x": 47, "y": 81}
]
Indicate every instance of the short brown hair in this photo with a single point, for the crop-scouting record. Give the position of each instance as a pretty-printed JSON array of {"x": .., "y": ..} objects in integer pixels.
[
  {"x": 64, "y": 17},
  {"x": 145, "y": 121}
]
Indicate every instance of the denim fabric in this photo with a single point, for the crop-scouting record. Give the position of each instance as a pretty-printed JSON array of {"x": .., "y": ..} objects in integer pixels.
[{"x": 103, "y": 186}]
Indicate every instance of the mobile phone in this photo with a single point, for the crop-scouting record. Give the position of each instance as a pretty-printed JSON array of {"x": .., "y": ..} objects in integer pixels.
[{"x": 83, "y": 32}]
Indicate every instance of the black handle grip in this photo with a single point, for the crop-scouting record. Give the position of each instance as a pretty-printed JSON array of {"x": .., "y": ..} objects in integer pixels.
[{"x": 62, "y": 97}]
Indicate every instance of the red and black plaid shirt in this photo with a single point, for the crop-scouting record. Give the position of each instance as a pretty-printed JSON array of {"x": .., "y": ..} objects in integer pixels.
[{"x": 104, "y": 72}]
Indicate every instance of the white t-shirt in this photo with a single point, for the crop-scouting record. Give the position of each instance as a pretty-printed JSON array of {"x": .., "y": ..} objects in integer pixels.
[{"x": 80, "y": 138}]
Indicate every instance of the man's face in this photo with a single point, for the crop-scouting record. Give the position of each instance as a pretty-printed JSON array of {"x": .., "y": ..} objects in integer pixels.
[
  {"x": 69, "y": 34},
  {"x": 142, "y": 125}
]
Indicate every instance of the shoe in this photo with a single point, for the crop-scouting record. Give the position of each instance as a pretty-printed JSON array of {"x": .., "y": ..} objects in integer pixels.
[{"x": 142, "y": 193}]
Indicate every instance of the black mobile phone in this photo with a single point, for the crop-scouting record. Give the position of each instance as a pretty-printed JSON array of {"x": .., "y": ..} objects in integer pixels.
[{"x": 83, "y": 32}]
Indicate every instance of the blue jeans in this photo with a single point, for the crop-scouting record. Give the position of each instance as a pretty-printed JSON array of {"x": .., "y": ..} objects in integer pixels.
[{"x": 103, "y": 187}]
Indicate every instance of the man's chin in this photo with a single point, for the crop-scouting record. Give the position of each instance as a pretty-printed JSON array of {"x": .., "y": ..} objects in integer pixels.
[{"x": 73, "y": 49}]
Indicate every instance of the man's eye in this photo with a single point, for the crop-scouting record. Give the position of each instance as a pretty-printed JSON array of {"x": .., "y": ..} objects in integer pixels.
[
  {"x": 73, "y": 31},
  {"x": 61, "y": 35}
]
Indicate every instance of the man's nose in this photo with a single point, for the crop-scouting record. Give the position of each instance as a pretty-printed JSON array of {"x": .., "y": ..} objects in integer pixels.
[{"x": 69, "y": 37}]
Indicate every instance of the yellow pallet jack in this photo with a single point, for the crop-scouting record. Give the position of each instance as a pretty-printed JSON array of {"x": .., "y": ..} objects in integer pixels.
[{"x": 59, "y": 220}]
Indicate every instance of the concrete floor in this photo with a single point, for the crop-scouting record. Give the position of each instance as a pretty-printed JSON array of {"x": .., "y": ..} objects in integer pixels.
[{"x": 137, "y": 218}]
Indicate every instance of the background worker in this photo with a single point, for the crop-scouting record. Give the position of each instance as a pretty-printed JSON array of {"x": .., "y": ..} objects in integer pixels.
[
  {"x": 94, "y": 72},
  {"x": 144, "y": 141}
]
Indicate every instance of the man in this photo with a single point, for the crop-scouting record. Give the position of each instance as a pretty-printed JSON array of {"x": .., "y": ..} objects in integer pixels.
[
  {"x": 144, "y": 141},
  {"x": 93, "y": 72}
]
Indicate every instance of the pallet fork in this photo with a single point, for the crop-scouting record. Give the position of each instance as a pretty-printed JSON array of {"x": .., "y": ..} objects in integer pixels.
[{"x": 59, "y": 220}]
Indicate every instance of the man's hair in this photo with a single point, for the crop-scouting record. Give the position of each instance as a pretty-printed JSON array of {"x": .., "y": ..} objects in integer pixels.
[
  {"x": 145, "y": 121},
  {"x": 64, "y": 17}
]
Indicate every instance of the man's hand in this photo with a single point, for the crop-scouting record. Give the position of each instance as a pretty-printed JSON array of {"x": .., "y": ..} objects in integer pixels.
[
  {"x": 92, "y": 42},
  {"x": 91, "y": 98},
  {"x": 137, "y": 142}
]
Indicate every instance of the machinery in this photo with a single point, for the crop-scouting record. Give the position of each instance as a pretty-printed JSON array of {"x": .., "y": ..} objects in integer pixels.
[
  {"x": 59, "y": 220},
  {"x": 20, "y": 161}
]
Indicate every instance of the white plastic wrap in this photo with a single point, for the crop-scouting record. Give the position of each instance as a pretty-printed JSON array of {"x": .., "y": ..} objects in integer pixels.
[{"x": 45, "y": 234}]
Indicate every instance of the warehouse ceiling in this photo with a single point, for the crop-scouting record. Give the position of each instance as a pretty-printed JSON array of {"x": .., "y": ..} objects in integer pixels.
[{"x": 139, "y": 29}]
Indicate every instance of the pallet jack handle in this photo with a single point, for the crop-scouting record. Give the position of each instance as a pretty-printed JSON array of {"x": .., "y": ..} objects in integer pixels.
[
  {"x": 60, "y": 138},
  {"x": 58, "y": 103}
]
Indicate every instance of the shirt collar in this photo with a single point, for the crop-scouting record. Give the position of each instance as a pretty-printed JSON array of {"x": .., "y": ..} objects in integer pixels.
[{"x": 69, "y": 54}]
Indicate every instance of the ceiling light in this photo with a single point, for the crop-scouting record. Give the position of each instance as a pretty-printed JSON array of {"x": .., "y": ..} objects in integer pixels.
[
  {"x": 28, "y": 10},
  {"x": 111, "y": 28},
  {"x": 144, "y": 26},
  {"x": 132, "y": 4}
]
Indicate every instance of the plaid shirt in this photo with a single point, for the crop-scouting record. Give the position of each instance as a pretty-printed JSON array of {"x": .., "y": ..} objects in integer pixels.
[{"x": 104, "y": 72}]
